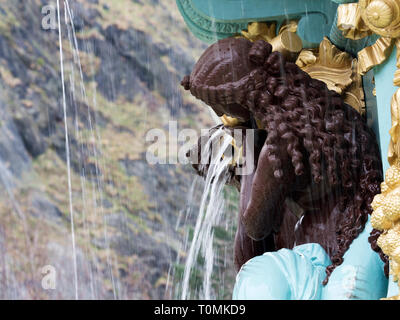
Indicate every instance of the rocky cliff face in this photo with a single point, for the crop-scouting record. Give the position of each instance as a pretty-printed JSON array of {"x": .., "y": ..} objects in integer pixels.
[{"x": 123, "y": 62}]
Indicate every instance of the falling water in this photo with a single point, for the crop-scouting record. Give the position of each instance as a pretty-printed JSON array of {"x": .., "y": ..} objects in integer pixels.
[
  {"x": 71, "y": 210},
  {"x": 86, "y": 253},
  {"x": 94, "y": 138},
  {"x": 211, "y": 209}
]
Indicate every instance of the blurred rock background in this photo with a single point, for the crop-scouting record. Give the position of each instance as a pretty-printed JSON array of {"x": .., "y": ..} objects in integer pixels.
[{"x": 132, "y": 220}]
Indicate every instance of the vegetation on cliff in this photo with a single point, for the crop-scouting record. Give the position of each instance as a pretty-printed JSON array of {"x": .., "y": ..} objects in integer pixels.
[{"x": 129, "y": 237}]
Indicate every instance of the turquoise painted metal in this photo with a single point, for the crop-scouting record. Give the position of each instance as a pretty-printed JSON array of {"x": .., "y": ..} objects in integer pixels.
[
  {"x": 384, "y": 90},
  {"x": 297, "y": 274},
  {"x": 348, "y": 45},
  {"x": 211, "y": 20},
  {"x": 217, "y": 19},
  {"x": 344, "y": 1}
]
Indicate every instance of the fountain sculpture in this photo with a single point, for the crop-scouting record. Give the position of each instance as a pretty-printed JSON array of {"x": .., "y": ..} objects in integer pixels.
[{"x": 304, "y": 227}]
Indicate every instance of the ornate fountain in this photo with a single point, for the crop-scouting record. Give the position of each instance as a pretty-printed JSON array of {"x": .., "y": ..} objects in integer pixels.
[{"x": 315, "y": 80}]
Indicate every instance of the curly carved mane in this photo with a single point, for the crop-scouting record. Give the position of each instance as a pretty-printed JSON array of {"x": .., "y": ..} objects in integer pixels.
[{"x": 321, "y": 134}]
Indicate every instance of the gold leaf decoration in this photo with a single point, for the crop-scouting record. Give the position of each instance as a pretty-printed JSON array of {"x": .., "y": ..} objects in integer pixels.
[
  {"x": 306, "y": 57},
  {"x": 396, "y": 78},
  {"x": 332, "y": 66},
  {"x": 351, "y": 24},
  {"x": 260, "y": 31},
  {"x": 354, "y": 94},
  {"x": 374, "y": 55},
  {"x": 228, "y": 121},
  {"x": 286, "y": 41},
  {"x": 386, "y": 214},
  {"x": 290, "y": 26},
  {"x": 337, "y": 69},
  {"x": 381, "y": 16},
  {"x": 394, "y": 131}
]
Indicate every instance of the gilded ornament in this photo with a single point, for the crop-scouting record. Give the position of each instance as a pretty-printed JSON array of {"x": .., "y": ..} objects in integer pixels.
[
  {"x": 396, "y": 78},
  {"x": 392, "y": 177},
  {"x": 331, "y": 66},
  {"x": 354, "y": 94},
  {"x": 381, "y": 16},
  {"x": 337, "y": 69},
  {"x": 386, "y": 206},
  {"x": 228, "y": 121},
  {"x": 287, "y": 41},
  {"x": 379, "y": 220},
  {"x": 260, "y": 31},
  {"x": 389, "y": 241},
  {"x": 374, "y": 55},
  {"x": 306, "y": 57},
  {"x": 350, "y": 22},
  {"x": 290, "y": 26}
]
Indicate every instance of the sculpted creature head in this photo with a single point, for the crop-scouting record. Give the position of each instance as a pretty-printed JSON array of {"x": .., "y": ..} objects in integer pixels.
[{"x": 318, "y": 152}]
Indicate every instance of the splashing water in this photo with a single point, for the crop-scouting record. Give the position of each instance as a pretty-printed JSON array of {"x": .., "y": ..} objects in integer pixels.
[{"x": 211, "y": 209}]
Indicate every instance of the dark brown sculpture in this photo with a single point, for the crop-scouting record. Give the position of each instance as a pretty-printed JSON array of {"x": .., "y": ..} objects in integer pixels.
[{"x": 318, "y": 166}]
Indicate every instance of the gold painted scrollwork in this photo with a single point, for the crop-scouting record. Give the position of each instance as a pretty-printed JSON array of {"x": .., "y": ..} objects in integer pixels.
[
  {"x": 286, "y": 41},
  {"x": 374, "y": 55},
  {"x": 260, "y": 31},
  {"x": 337, "y": 69},
  {"x": 386, "y": 215},
  {"x": 228, "y": 121},
  {"x": 350, "y": 22},
  {"x": 382, "y": 16}
]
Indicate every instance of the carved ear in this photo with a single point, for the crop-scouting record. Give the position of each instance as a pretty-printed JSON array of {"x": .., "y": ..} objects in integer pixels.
[{"x": 259, "y": 51}]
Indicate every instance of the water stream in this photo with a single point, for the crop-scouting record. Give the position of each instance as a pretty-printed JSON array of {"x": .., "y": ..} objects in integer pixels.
[
  {"x": 92, "y": 138},
  {"x": 68, "y": 158},
  {"x": 210, "y": 212}
]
